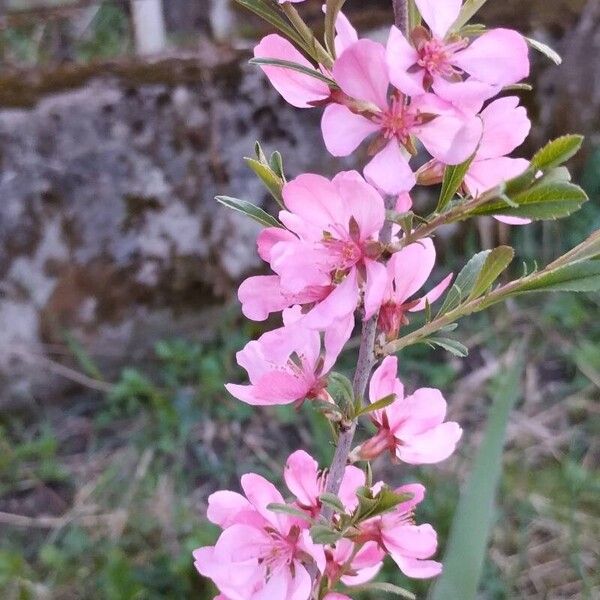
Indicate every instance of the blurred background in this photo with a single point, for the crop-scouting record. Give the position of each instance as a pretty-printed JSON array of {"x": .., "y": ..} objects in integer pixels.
[{"x": 119, "y": 122}]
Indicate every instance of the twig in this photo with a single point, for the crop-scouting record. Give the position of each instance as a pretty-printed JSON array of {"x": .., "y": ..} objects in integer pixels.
[
  {"x": 401, "y": 15},
  {"x": 62, "y": 370},
  {"x": 366, "y": 360}
]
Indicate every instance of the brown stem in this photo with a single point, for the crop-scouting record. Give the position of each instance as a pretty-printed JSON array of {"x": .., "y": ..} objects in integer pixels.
[
  {"x": 401, "y": 15},
  {"x": 366, "y": 360},
  {"x": 452, "y": 216}
]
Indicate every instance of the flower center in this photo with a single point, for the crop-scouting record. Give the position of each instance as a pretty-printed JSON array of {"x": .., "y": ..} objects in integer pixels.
[
  {"x": 434, "y": 57},
  {"x": 397, "y": 121},
  {"x": 279, "y": 552},
  {"x": 346, "y": 253}
]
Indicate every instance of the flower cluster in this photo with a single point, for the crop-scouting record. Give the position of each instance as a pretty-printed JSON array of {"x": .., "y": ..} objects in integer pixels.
[{"x": 334, "y": 253}]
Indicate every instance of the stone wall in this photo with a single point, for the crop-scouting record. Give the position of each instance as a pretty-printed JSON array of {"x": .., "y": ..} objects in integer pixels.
[{"x": 108, "y": 221}]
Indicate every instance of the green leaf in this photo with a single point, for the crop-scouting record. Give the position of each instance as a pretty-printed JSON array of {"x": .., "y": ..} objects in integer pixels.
[
  {"x": 292, "y": 66},
  {"x": 544, "y": 200},
  {"x": 590, "y": 248},
  {"x": 249, "y": 209},
  {"x": 414, "y": 16},
  {"x": 340, "y": 389},
  {"x": 332, "y": 501},
  {"x": 468, "y": 10},
  {"x": 557, "y": 152},
  {"x": 495, "y": 264},
  {"x": 453, "y": 178},
  {"x": 370, "y": 506},
  {"x": 464, "y": 283},
  {"x": 553, "y": 55},
  {"x": 268, "y": 12},
  {"x": 577, "y": 277},
  {"x": 386, "y": 588},
  {"x": 333, "y": 8},
  {"x": 270, "y": 179},
  {"x": 382, "y": 403},
  {"x": 289, "y": 510},
  {"x": 448, "y": 344},
  {"x": 474, "y": 516},
  {"x": 323, "y": 534},
  {"x": 276, "y": 164}
]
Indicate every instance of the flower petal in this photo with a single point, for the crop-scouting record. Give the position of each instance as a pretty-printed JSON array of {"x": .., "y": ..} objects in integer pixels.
[
  {"x": 343, "y": 131},
  {"x": 505, "y": 127},
  {"x": 431, "y": 296},
  {"x": 361, "y": 72},
  {"x": 483, "y": 175},
  {"x": 352, "y": 480},
  {"x": 499, "y": 57},
  {"x": 260, "y": 296},
  {"x": 411, "y": 267},
  {"x": 260, "y": 494},
  {"x": 432, "y": 446},
  {"x": 439, "y": 14},
  {"x": 401, "y": 56},
  {"x": 346, "y": 34},
  {"x": 340, "y": 303},
  {"x": 451, "y": 139},
  {"x": 417, "y": 569},
  {"x": 362, "y": 202},
  {"x": 297, "y": 88},
  {"x": 225, "y": 508},
  {"x": 389, "y": 170},
  {"x": 301, "y": 476},
  {"x": 414, "y": 541}
]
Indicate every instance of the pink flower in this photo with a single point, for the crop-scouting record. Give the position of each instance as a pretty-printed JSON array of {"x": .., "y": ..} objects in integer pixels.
[
  {"x": 408, "y": 544},
  {"x": 408, "y": 270},
  {"x": 328, "y": 254},
  {"x": 299, "y": 89},
  {"x": 412, "y": 427},
  {"x": 304, "y": 480},
  {"x": 261, "y": 554},
  {"x": 350, "y": 568},
  {"x": 336, "y": 596},
  {"x": 286, "y": 365},
  {"x": 362, "y": 74},
  {"x": 439, "y": 58},
  {"x": 505, "y": 127}
]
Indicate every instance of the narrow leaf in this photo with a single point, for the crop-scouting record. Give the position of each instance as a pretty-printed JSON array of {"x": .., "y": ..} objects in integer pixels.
[
  {"x": 495, "y": 264},
  {"x": 332, "y": 10},
  {"x": 276, "y": 164},
  {"x": 553, "y": 55},
  {"x": 557, "y": 152},
  {"x": 250, "y": 210},
  {"x": 386, "y": 588},
  {"x": 270, "y": 179},
  {"x": 333, "y": 501},
  {"x": 577, "y": 277},
  {"x": 468, "y": 10},
  {"x": 545, "y": 200},
  {"x": 266, "y": 11},
  {"x": 474, "y": 516},
  {"x": 289, "y": 510},
  {"x": 450, "y": 345},
  {"x": 590, "y": 248},
  {"x": 464, "y": 283},
  {"x": 414, "y": 16},
  {"x": 322, "y": 534},
  {"x": 292, "y": 66},
  {"x": 378, "y": 405},
  {"x": 453, "y": 178}
]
